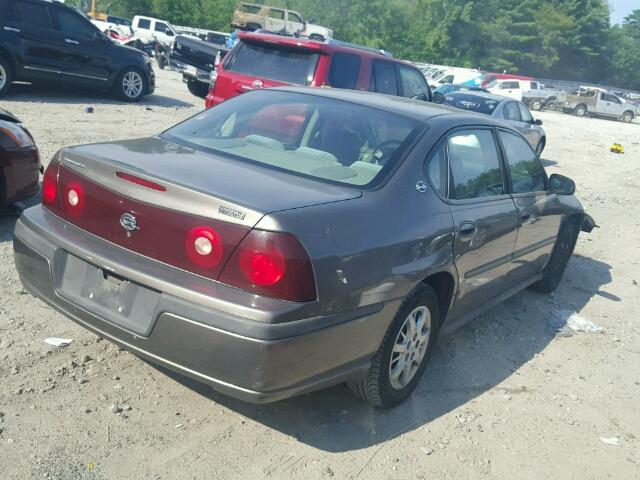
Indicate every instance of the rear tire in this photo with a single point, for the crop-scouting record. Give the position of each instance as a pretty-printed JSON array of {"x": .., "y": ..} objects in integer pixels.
[
  {"x": 199, "y": 89},
  {"x": 381, "y": 387},
  {"x": 562, "y": 251},
  {"x": 6, "y": 75},
  {"x": 580, "y": 110},
  {"x": 535, "y": 105},
  {"x": 131, "y": 85}
]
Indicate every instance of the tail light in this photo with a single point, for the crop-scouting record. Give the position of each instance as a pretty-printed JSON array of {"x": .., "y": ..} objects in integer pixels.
[{"x": 272, "y": 264}]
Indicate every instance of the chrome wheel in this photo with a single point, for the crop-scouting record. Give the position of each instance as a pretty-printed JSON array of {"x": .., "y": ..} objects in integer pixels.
[
  {"x": 3, "y": 77},
  {"x": 132, "y": 84},
  {"x": 410, "y": 347}
]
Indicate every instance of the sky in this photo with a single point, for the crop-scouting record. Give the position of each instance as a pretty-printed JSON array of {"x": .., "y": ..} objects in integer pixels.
[{"x": 622, "y": 8}]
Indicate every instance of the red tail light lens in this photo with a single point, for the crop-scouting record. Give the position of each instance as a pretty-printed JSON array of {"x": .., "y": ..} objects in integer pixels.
[
  {"x": 204, "y": 247},
  {"x": 50, "y": 184},
  {"x": 272, "y": 264}
]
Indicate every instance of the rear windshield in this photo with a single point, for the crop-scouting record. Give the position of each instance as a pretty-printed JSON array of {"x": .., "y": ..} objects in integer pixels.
[
  {"x": 289, "y": 65},
  {"x": 474, "y": 103},
  {"x": 309, "y": 135}
]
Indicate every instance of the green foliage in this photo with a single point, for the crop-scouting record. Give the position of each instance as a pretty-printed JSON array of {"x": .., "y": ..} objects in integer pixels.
[{"x": 566, "y": 39}]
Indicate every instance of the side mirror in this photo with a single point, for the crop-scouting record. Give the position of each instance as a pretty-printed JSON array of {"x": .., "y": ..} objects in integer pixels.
[
  {"x": 538, "y": 122},
  {"x": 561, "y": 185}
]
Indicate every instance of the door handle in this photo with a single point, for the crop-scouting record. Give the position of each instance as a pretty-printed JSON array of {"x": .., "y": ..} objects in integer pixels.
[
  {"x": 72, "y": 42},
  {"x": 467, "y": 229},
  {"x": 11, "y": 29}
]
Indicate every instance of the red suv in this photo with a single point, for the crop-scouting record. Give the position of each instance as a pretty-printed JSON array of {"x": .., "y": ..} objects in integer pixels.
[{"x": 263, "y": 60}]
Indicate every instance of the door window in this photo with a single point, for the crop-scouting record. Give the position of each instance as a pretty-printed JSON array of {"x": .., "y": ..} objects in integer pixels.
[
  {"x": 294, "y": 17},
  {"x": 525, "y": 114},
  {"x": 534, "y": 85},
  {"x": 474, "y": 165},
  {"x": 345, "y": 69},
  {"x": 413, "y": 83},
  {"x": 36, "y": 15},
  {"x": 447, "y": 79},
  {"x": 509, "y": 85},
  {"x": 511, "y": 112},
  {"x": 526, "y": 170},
  {"x": 436, "y": 170},
  {"x": 74, "y": 24},
  {"x": 144, "y": 24},
  {"x": 276, "y": 14},
  {"x": 161, "y": 27},
  {"x": 383, "y": 78}
]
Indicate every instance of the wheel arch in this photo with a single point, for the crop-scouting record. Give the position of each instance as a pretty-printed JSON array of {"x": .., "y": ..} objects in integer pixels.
[{"x": 443, "y": 284}]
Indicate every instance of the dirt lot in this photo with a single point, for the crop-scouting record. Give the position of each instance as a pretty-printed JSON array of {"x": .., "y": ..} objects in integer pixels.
[{"x": 505, "y": 397}]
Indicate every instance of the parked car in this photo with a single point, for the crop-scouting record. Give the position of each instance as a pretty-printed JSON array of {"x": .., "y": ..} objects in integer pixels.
[
  {"x": 120, "y": 25},
  {"x": 341, "y": 232},
  {"x": 261, "y": 60},
  {"x": 596, "y": 102},
  {"x": 196, "y": 59},
  {"x": 511, "y": 111},
  {"x": 441, "y": 91},
  {"x": 251, "y": 17},
  {"x": 512, "y": 88},
  {"x": 542, "y": 96},
  {"x": 455, "y": 75},
  {"x": 43, "y": 41},
  {"x": 149, "y": 28},
  {"x": 19, "y": 161}
]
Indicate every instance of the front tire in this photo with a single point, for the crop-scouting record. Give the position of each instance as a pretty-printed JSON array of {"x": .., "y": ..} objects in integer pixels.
[
  {"x": 404, "y": 353},
  {"x": 6, "y": 75},
  {"x": 536, "y": 105},
  {"x": 581, "y": 110},
  {"x": 562, "y": 251},
  {"x": 131, "y": 85},
  {"x": 627, "y": 117}
]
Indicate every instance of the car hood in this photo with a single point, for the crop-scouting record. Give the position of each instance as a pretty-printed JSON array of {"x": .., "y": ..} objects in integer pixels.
[{"x": 260, "y": 189}]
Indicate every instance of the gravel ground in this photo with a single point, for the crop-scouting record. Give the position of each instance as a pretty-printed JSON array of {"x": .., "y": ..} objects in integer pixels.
[{"x": 507, "y": 396}]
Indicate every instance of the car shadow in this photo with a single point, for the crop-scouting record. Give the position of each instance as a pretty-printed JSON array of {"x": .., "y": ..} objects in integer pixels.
[
  {"x": 475, "y": 359},
  {"x": 548, "y": 163},
  {"x": 67, "y": 95}
]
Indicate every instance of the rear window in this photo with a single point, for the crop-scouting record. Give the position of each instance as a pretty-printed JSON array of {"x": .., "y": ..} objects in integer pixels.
[
  {"x": 472, "y": 103},
  {"x": 288, "y": 65},
  {"x": 308, "y": 135}
]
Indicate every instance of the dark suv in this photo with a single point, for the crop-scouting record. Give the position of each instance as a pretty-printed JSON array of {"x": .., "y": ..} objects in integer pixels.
[
  {"x": 48, "y": 41},
  {"x": 263, "y": 60}
]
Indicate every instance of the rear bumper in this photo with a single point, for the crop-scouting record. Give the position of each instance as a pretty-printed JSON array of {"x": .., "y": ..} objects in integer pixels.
[{"x": 251, "y": 360}]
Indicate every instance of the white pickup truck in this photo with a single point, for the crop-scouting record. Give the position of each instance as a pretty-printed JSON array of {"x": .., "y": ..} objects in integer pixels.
[{"x": 597, "y": 102}]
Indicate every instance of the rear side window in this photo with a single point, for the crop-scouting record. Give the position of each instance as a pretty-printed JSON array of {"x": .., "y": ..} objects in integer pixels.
[
  {"x": 383, "y": 78},
  {"x": 436, "y": 170},
  {"x": 253, "y": 9},
  {"x": 474, "y": 165},
  {"x": 295, "y": 66},
  {"x": 144, "y": 24},
  {"x": 74, "y": 24},
  {"x": 526, "y": 170},
  {"x": 511, "y": 112},
  {"x": 345, "y": 70},
  {"x": 413, "y": 83},
  {"x": 525, "y": 114},
  {"x": 34, "y": 14}
]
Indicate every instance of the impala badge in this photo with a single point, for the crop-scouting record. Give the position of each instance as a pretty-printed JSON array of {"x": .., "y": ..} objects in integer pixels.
[{"x": 128, "y": 222}]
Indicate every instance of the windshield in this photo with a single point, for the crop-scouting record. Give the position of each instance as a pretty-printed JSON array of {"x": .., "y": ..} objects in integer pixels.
[
  {"x": 304, "y": 134},
  {"x": 289, "y": 65}
]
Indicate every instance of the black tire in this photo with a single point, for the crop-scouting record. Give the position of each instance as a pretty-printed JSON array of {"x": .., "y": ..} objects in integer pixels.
[
  {"x": 199, "y": 89},
  {"x": 627, "y": 117},
  {"x": 540, "y": 146},
  {"x": 375, "y": 388},
  {"x": 580, "y": 110},
  {"x": 121, "y": 90},
  {"x": 161, "y": 60},
  {"x": 562, "y": 251},
  {"x": 6, "y": 75},
  {"x": 535, "y": 105}
]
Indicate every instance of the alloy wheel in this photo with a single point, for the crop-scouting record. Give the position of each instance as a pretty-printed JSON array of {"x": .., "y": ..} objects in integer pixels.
[
  {"x": 3, "y": 77},
  {"x": 132, "y": 84},
  {"x": 410, "y": 347}
]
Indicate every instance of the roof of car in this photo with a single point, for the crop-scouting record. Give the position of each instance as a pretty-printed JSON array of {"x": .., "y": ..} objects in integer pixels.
[{"x": 416, "y": 109}]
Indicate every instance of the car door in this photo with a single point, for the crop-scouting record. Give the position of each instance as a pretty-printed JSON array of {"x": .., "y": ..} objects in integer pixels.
[
  {"x": 539, "y": 213},
  {"x": 143, "y": 28},
  {"x": 531, "y": 131},
  {"x": 29, "y": 27},
  {"x": 484, "y": 214},
  {"x": 512, "y": 113},
  {"x": 294, "y": 22},
  {"x": 511, "y": 89},
  {"x": 84, "y": 50},
  {"x": 163, "y": 33},
  {"x": 275, "y": 20},
  {"x": 613, "y": 105}
]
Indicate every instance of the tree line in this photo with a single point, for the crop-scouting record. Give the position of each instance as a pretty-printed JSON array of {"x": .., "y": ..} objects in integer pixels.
[{"x": 563, "y": 39}]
